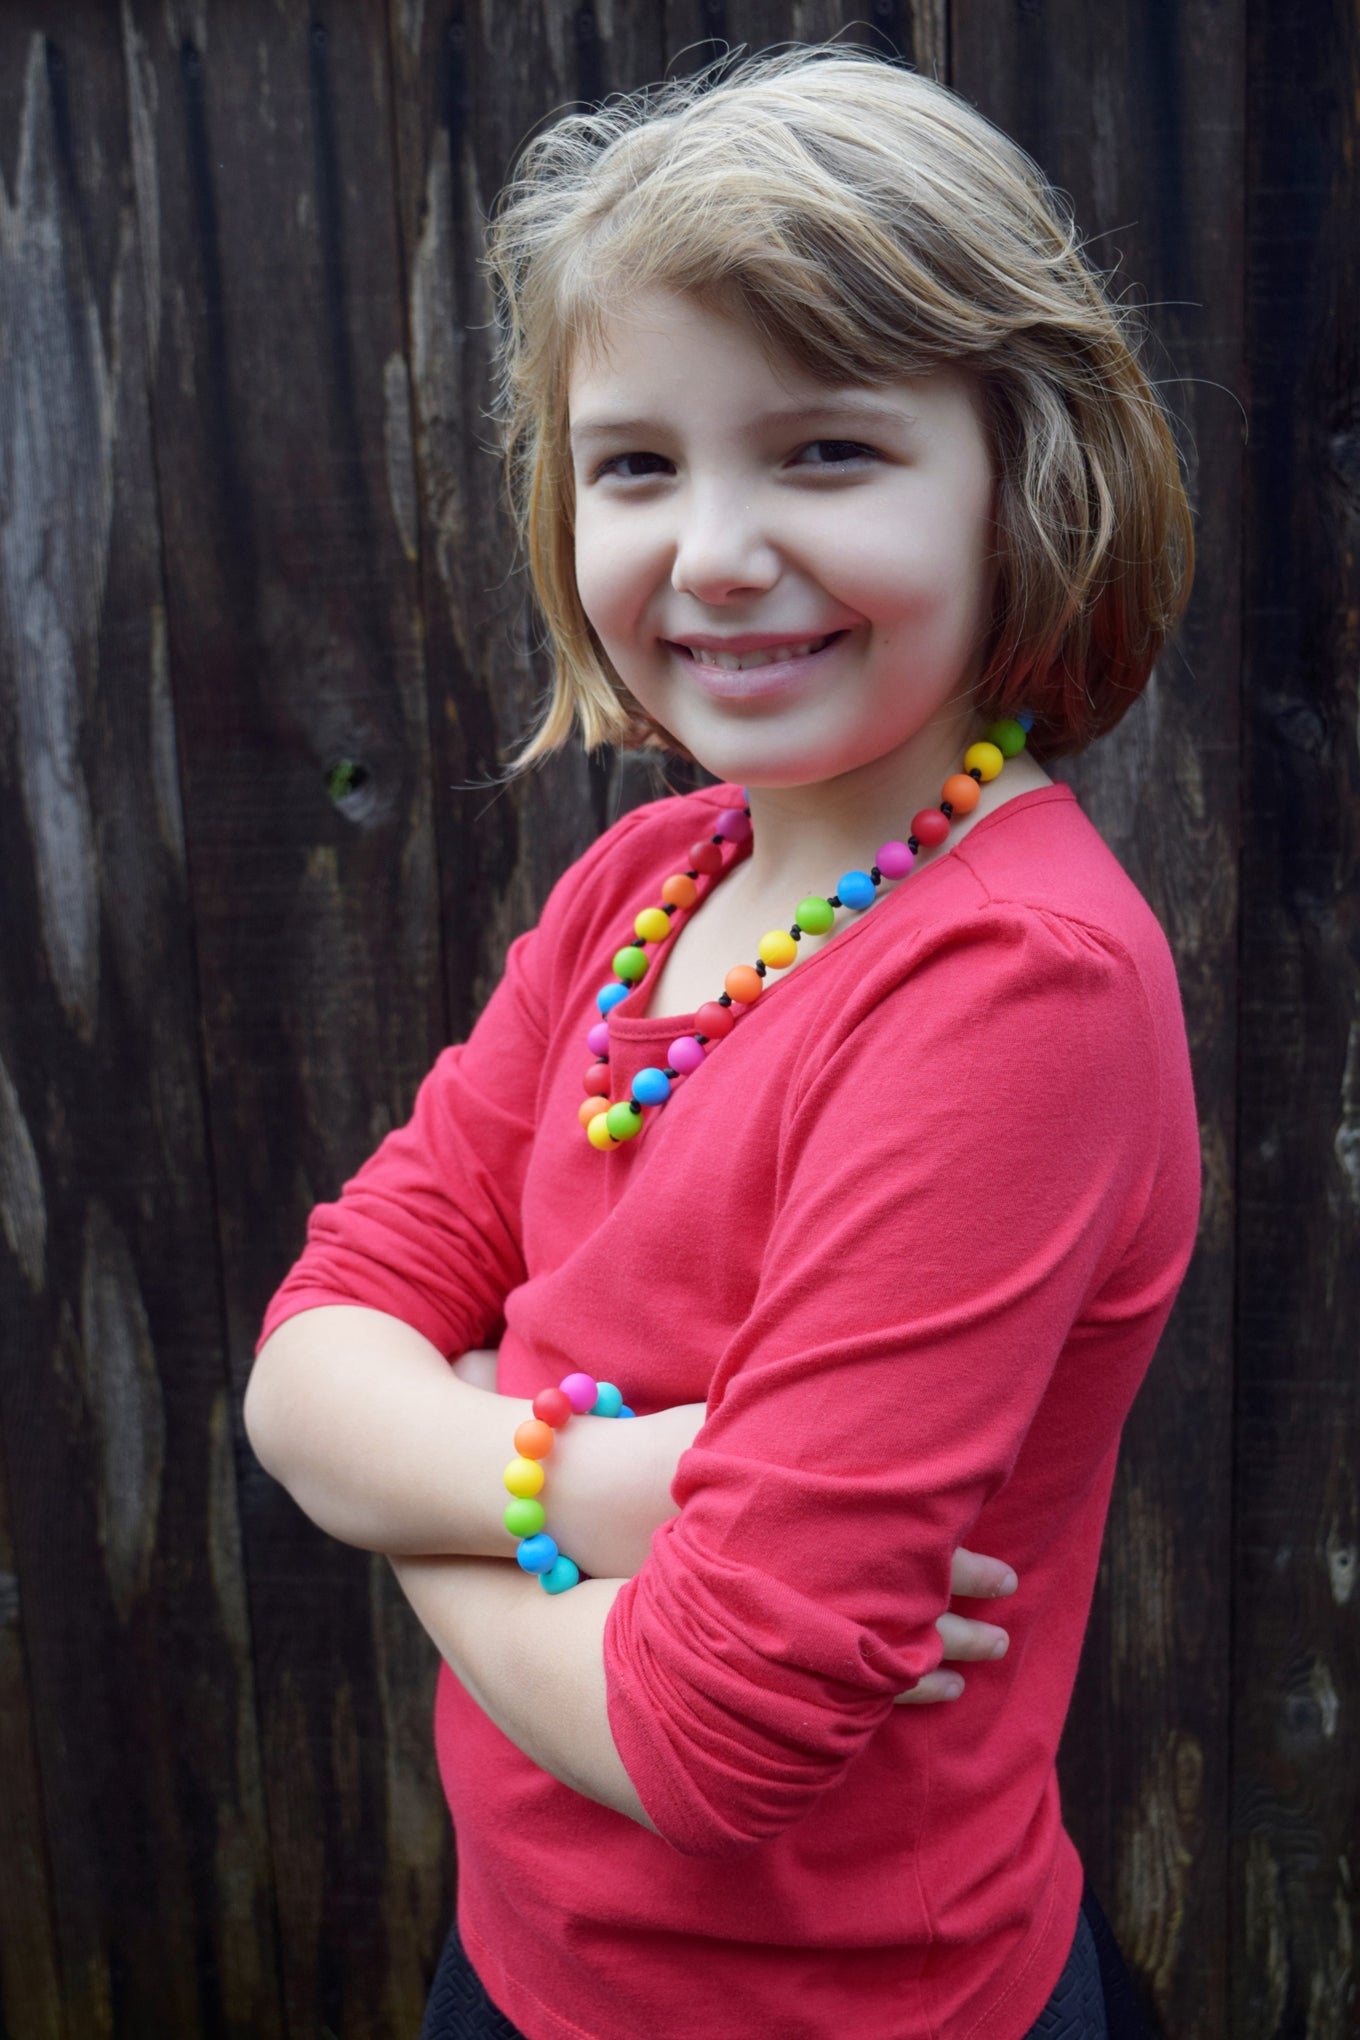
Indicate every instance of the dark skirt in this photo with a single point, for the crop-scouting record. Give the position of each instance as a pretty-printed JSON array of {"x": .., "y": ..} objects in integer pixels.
[{"x": 1092, "y": 2000}]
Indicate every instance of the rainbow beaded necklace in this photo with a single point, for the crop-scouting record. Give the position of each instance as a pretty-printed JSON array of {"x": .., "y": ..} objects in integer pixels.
[{"x": 608, "y": 1123}]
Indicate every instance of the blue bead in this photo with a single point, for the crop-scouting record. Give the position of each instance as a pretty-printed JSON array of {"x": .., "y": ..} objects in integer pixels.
[
  {"x": 537, "y": 1554},
  {"x": 608, "y": 1402},
  {"x": 624, "y": 1411},
  {"x": 1025, "y": 720},
  {"x": 563, "y": 1575},
  {"x": 651, "y": 1087},
  {"x": 608, "y": 996},
  {"x": 855, "y": 889}
]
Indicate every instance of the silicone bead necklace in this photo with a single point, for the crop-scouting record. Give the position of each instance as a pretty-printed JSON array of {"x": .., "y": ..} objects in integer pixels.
[
  {"x": 575, "y": 1395},
  {"x": 609, "y": 1122}
]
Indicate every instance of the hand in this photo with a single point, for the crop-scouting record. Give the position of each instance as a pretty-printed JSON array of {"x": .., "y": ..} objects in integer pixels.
[{"x": 977, "y": 1579}]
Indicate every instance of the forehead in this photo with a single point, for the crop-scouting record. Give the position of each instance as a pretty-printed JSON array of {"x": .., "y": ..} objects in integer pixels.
[{"x": 657, "y": 352}]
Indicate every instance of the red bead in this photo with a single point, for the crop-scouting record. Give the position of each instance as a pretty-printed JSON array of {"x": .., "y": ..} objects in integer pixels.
[
  {"x": 930, "y": 827},
  {"x": 705, "y": 857},
  {"x": 714, "y": 1020},
  {"x": 552, "y": 1407},
  {"x": 596, "y": 1080}
]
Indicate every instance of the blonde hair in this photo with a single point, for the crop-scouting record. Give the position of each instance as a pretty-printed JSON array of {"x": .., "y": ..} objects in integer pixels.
[{"x": 869, "y": 225}]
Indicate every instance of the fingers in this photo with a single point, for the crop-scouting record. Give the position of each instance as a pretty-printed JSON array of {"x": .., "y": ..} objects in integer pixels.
[
  {"x": 935, "y": 1686},
  {"x": 964, "y": 1642},
  {"x": 977, "y": 1641},
  {"x": 977, "y": 1578},
  {"x": 973, "y": 1577}
]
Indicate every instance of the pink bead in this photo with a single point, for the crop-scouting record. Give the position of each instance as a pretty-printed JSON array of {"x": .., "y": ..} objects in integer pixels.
[
  {"x": 684, "y": 1054},
  {"x": 580, "y": 1391},
  {"x": 732, "y": 825},
  {"x": 894, "y": 860},
  {"x": 597, "y": 1041}
]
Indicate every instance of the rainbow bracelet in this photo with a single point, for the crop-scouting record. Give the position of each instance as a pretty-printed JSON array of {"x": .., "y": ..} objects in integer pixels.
[{"x": 576, "y": 1395}]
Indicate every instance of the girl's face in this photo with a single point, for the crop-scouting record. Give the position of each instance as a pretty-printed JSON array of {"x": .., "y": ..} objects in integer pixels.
[{"x": 795, "y": 582}]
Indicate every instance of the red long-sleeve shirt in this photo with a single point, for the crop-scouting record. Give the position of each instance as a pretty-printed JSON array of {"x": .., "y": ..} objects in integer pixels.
[{"x": 912, "y": 1232}]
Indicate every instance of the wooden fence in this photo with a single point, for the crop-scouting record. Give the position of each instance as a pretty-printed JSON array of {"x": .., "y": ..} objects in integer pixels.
[{"x": 256, "y": 634}]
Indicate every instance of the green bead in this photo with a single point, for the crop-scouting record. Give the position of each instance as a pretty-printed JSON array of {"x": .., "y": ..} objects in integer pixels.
[
  {"x": 630, "y": 964},
  {"x": 1008, "y": 737},
  {"x": 524, "y": 1517},
  {"x": 623, "y": 1122},
  {"x": 815, "y": 915}
]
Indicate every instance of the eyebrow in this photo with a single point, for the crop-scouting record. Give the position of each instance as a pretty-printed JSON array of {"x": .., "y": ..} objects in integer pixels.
[{"x": 849, "y": 405}]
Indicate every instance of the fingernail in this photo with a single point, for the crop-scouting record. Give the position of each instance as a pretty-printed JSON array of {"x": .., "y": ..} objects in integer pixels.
[
  {"x": 1001, "y": 1646},
  {"x": 1009, "y": 1583},
  {"x": 953, "y": 1688}
]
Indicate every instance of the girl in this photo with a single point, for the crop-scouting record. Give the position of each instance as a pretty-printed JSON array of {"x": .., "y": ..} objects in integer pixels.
[{"x": 838, "y": 473}]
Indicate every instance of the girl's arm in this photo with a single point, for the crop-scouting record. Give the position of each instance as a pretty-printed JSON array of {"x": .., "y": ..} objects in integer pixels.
[
  {"x": 534, "y": 1662},
  {"x": 385, "y": 1446}
]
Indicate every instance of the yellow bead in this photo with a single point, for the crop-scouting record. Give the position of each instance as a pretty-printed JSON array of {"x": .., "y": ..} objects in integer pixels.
[
  {"x": 524, "y": 1477},
  {"x": 597, "y": 1133},
  {"x": 652, "y": 925},
  {"x": 777, "y": 949},
  {"x": 985, "y": 759}
]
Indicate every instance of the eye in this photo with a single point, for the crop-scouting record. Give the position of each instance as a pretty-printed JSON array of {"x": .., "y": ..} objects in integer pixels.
[
  {"x": 835, "y": 453},
  {"x": 631, "y": 467}
]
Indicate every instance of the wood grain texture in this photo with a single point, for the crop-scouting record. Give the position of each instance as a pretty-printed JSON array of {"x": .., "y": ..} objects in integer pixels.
[
  {"x": 473, "y": 82},
  {"x": 1296, "y": 1802},
  {"x": 1138, "y": 116},
  {"x": 126, "y": 1558},
  {"x": 284, "y": 460},
  {"x": 30, "y": 1989}
]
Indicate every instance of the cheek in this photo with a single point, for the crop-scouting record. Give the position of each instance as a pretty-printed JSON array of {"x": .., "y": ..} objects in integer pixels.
[{"x": 612, "y": 575}]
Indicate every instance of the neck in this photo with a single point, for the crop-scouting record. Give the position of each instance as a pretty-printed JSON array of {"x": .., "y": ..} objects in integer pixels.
[{"x": 805, "y": 836}]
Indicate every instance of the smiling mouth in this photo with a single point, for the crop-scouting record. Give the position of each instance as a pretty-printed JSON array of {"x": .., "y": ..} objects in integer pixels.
[{"x": 773, "y": 655}]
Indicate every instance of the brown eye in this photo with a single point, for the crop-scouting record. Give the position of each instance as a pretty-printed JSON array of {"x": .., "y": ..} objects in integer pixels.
[
  {"x": 632, "y": 467},
  {"x": 836, "y": 452}
]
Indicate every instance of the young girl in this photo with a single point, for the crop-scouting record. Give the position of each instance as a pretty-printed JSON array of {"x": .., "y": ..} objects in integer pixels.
[{"x": 838, "y": 474}]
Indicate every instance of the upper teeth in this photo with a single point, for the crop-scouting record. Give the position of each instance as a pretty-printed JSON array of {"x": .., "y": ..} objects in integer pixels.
[{"x": 742, "y": 662}]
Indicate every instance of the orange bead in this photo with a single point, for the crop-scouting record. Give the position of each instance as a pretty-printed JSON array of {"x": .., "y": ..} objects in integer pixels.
[
  {"x": 589, "y": 1107},
  {"x": 533, "y": 1440},
  {"x": 962, "y": 792},
  {"x": 742, "y": 984},
  {"x": 679, "y": 891}
]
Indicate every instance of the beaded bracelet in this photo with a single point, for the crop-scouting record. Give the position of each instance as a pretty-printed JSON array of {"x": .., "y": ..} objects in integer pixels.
[{"x": 576, "y": 1395}]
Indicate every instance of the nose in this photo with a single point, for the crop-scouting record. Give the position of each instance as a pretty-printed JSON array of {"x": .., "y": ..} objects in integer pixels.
[{"x": 721, "y": 549}]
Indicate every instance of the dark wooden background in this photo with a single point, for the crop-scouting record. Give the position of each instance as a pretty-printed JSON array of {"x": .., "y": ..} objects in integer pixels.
[{"x": 257, "y": 633}]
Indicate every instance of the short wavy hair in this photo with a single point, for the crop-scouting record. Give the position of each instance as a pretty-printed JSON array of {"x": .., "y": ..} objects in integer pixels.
[{"x": 870, "y": 225}]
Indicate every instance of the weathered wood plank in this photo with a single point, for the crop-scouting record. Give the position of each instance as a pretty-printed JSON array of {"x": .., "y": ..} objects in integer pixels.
[
  {"x": 30, "y": 1990},
  {"x": 1124, "y": 111},
  {"x": 113, "y": 1390},
  {"x": 471, "y": 85},
  {"x": 1296, "y": 1673},
  {"x": 700, "y": 31},
  {"x": 284, "y": 458}
]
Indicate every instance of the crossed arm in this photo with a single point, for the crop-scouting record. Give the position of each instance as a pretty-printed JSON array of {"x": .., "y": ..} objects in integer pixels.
[{"x": 387, "y": 1447}]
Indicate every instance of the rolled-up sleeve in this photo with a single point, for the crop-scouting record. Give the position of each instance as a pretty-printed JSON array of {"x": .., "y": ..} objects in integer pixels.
[{"x": 963, "y": 1165}]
